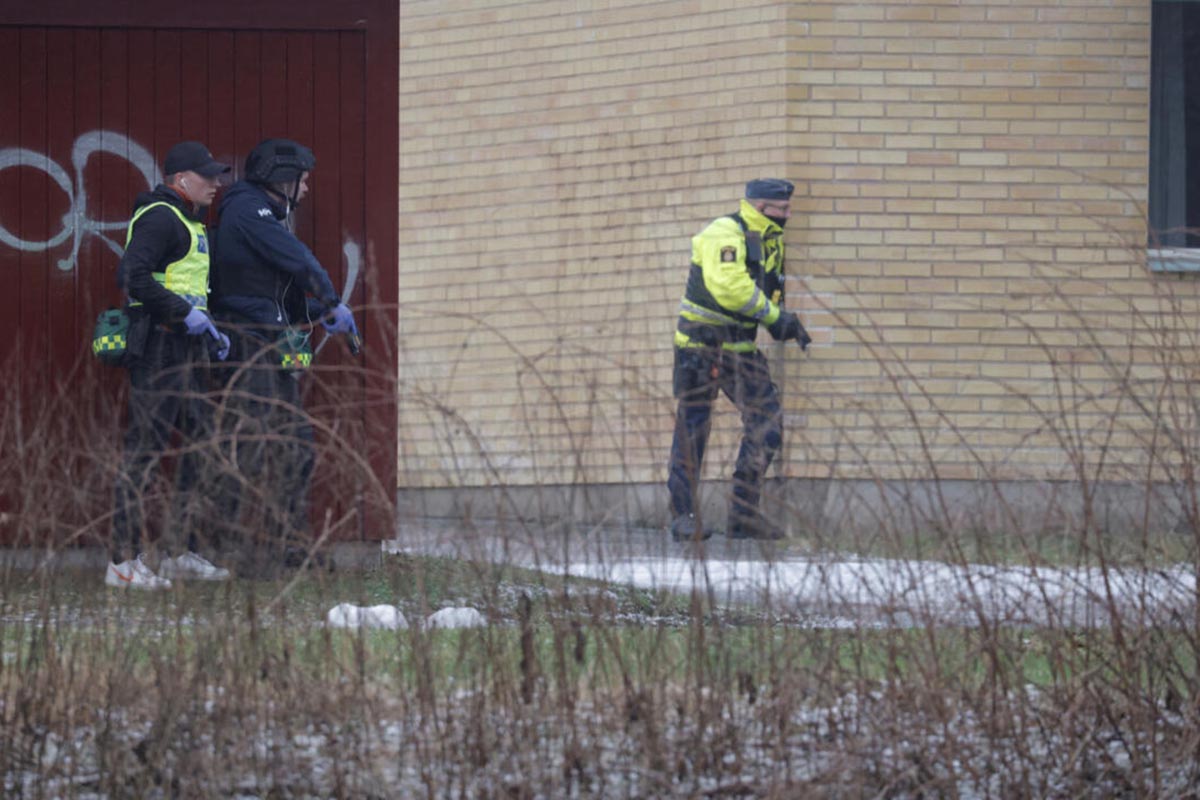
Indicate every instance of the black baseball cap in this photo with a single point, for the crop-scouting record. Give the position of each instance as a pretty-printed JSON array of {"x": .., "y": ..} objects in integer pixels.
[{"x": 193, "y": 157}]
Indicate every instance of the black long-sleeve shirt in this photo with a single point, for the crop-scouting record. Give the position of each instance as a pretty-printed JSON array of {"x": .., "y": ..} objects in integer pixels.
[{"x": 159, "y": 239}]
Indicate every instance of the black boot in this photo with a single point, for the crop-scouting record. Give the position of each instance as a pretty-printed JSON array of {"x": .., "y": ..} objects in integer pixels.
[
  {"x": 749, "y": 523},
  {"x": 686, "y": 528}
]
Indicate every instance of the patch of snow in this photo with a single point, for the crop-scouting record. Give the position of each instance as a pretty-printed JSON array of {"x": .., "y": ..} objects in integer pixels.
[
  {"x": 456, "y": 617},
  {"x": 948, "y": 592},
  {"x": 348, "y": 615},
  {"x": 834, "y": 589}
]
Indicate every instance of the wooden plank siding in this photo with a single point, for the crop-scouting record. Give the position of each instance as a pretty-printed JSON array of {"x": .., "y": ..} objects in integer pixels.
[{"x": 92, "y": 100}]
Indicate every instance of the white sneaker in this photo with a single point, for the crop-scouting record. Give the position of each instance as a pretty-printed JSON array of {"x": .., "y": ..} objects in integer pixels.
[
  {"x": 192, "y": 566},
  {"x": 133, "y": 574}
]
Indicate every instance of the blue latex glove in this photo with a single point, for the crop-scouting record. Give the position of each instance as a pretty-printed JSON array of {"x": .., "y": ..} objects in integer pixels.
[
  {"x": 340, "y": 320},
  {"x": 221, "y": 348},
  {"x": 197, "y": 322}
]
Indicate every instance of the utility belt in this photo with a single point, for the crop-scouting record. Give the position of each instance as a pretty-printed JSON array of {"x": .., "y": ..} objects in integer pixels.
[
  {"x": 290, "y": 349},
  {"x": 120, "y": 335},
  {"x": 709, "y": 335}
]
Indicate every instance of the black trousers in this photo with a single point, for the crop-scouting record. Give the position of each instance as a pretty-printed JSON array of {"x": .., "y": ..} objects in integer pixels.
[
  {"x": 700, "y": 373},
  {"x": 269, "y": 439},
  {"x": 169, "y": 413}
]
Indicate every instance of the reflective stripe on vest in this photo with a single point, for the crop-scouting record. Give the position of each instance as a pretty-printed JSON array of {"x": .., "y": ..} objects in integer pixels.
[
  {"x": 733, "y": 329},
  {"x": 187, "y": 277}
]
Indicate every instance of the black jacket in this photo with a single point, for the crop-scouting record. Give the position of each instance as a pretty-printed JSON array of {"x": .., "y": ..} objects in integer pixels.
[
  {"x": 261, "y": 271},
  {"x": 159, "y": 238}
]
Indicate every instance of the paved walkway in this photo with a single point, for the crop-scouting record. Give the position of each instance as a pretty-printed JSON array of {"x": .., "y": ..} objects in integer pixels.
[{"x": 826, "y": 589}]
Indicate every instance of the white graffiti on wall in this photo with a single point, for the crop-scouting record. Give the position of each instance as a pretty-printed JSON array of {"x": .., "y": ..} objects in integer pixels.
[{"x": 76, "y": 224}]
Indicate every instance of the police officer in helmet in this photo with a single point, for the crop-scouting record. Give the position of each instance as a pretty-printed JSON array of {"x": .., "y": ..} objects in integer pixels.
[{"x": 271, "y": 291}]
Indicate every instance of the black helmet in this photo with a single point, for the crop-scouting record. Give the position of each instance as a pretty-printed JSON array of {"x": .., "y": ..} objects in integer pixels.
[{"x": 278, "y": 161}]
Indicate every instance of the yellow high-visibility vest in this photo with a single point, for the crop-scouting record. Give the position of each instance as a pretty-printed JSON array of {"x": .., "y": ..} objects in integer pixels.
[{"x": 187, "y": 277}]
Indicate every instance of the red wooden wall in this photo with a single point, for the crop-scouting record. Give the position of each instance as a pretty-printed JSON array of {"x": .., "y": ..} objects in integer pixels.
[{"x": 93, "y": 95}]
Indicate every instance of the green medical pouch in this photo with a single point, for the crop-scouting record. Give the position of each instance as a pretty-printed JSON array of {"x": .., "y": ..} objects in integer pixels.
[
  {"x": 295, "y": 352},
  {"x": 110, "y": 336}
]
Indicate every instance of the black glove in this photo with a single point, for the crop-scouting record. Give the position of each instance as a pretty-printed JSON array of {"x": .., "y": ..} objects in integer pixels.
[{"x": 788, "y": 327}]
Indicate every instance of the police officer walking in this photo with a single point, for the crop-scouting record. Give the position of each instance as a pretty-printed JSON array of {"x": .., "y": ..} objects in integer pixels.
[
  {"x": 271, "y": 290},
  {"x": 735, "y": 284},
  {"x": 164, "y": 272}
]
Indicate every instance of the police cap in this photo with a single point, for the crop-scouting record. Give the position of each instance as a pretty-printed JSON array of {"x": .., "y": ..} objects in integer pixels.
[{"x": 769, "y": 189}]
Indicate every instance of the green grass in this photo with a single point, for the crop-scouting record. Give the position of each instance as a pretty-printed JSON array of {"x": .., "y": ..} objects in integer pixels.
[
  {"x": 208, "y": 688},
  {"x": 418, "y": 585},
  {"x": 570, "y": 630}
]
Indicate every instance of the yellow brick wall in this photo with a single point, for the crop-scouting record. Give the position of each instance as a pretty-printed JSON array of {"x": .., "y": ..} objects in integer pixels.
[{"x": 969, "y": 216}]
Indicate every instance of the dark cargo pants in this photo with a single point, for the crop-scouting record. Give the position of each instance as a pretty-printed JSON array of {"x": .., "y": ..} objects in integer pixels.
[
  {"x": 169, "y": 407},
  {"x": 746, "y": 380},
  {"x": 271, "y": 443}
]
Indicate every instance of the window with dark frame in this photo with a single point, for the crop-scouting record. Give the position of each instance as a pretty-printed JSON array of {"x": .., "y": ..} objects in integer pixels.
[{"x": 1174, "y": 235}]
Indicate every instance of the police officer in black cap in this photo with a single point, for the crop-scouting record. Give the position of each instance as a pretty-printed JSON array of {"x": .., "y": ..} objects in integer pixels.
[
  {"x": 172, "y": 339},
  {"x": 735, "y": 284},
  {"x": 271, "y": 291}
]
